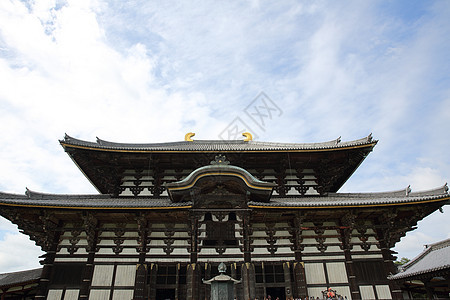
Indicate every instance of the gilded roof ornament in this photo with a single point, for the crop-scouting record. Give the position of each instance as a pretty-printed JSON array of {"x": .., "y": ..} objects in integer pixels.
[
  {"x": 248, "y": 136},
  {"x": 220, "y": 160},
  {"x": 188, "y": 137}
]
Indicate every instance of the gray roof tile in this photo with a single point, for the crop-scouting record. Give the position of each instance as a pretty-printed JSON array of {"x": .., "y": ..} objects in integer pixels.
[
  {"x": 217, "y": 145},
  {"x": 331, "y": 200},
  {"x": 435, "y": 257},
  {"x": 15, "y": 278}
]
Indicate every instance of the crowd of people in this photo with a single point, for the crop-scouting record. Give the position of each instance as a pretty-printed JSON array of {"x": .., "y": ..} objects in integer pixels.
[{"x": 328, "y": 294}]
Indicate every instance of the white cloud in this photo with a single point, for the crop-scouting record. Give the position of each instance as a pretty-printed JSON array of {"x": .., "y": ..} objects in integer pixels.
[{"x": 18, "y": 253}]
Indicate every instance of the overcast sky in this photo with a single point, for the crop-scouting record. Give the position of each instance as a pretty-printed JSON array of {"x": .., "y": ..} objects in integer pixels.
[{"x": 151, "y": 71}]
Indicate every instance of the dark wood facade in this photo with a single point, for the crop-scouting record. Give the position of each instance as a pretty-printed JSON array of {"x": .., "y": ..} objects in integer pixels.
[{"x": 168, "y": 214}]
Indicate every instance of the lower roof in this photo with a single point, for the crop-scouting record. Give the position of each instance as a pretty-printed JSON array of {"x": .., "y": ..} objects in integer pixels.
[
  {"x": 435, "y": 258},
  {"x": 18, "y": 278},
  {"x": 332, "y": 200}
]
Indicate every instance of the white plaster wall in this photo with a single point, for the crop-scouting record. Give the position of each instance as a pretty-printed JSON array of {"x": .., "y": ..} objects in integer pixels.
[
  {"x": 316, "y": 292},
  {"x": 122, "y": 294},
  {"x": 71, "y": 294},
  {"x": 333, "y": 249},
  {"x": 309, "y": 241},
  {"x": 333, "y": 240},
  {"x": 366, "y": 256},
  {"x": 180, "y": 251},
  {"x": 99, "y": 295},
  {"x": 157, "y": 234},
  {"x": 116, "y": 259},
  {"x": 102, "y": 275},
  {"x": 258, "y": 233},
  {"x": 260, "y": 251},
  {"x": 54, "y": 294},
  {"x": 337, "y": 272},
  {"x": 284, "y": 250},
  {"x": 181, "y": 235},
  {"x": 70, "y": 259},
  {"x": 366, "y": 292},
  {"x": 315, "y": 273},
  {"x": 125, "y": 275},
  {"x": 323, "y": 257},
  {"x": 282, "y": 233},
  {"x": 105, "y": 251},
  {"x": 383, "y": 292},
  {"x": 343, "y": 291},
  {"x": 152, "y": 260},
  {"x": 311, "y": 250},
  {"x": 180, "y": 243}
]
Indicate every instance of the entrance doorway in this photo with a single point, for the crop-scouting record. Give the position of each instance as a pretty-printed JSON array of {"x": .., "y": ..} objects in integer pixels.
[
  {"x": 165, "y": 294},
  {"x": 275, "y": 292}
]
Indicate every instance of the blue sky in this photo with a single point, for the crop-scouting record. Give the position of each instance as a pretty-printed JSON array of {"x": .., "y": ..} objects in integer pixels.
[{"x": 151, "y": 71}]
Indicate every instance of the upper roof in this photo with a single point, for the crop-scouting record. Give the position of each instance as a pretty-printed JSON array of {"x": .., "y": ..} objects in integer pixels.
[
  {"x": 435, "y": 258},
  {"x": 144, "y": 169},
  {"x": 215, "y": 145}
]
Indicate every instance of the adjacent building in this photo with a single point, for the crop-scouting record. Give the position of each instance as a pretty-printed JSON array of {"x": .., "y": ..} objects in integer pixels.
[{"x": 167, "y": 214}]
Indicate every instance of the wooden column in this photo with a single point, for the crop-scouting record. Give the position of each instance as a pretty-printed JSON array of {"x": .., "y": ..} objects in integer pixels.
[
  {"x": 193, "y": 281},
  {"x": 153, "y": 272},
  {"x": 247, "y": 247},
  {"x": 46, "y": 275},
  {"x": 248, "y": 280},
  {"x": 49, "y": 244},
  {"x": 347, "y": 226},
  {"x": 193, "y": 234},
  {"x": 90, "y": 224},
  {"x": 299, "y": 286},
  {"x": 384, "y": 231},
  {"x": 141, "y": 268}
]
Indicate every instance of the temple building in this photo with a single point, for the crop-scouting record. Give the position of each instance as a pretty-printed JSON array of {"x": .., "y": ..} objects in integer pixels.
[
  {"x": 167, "y": 214},
  {"x": 428, "y": 274}
]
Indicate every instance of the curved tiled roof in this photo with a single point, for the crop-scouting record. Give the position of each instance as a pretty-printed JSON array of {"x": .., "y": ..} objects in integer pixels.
[
  {"x": 99, "y": 201},
  {"x": 436, "y": 257},
  {"x": 349, "y": 200},
  {"x": 216, "y": 145},
  {"x": 17, "y": 278},
  {"x": 332, "y": 200}
]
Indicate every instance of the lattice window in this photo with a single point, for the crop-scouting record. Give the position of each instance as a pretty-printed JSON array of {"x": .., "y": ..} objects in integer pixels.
[
  {"x": 220, "y": 233},
  {"x": 166, "y": 275}
]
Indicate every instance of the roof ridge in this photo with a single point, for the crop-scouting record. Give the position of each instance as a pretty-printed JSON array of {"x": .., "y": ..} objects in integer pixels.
[
  {"x": 428, "y": 248},
  {"x": 193, "y": 145}
]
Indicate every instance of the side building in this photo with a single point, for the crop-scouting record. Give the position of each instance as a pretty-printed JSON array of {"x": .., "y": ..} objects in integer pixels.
[{"x": 168, "y": 214}]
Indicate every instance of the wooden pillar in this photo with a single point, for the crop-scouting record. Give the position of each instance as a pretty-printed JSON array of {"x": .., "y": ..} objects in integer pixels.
[
  {"x": 193, "y": 281},
  {"x": 153, "y": 272},
  {"x": 193, "y": 238},
  {"x": 246, "y": 237},
  {"x": 354, "y": 288},
  {"x": 90, "y": 224},
  {"x": 347, "y": 226},
  {"x": 287, "y": 278},
  {"x": 45, "y": 275},
  {"x": 140, "y": 282},
  {"x": 49, "y": 244},
  {"x": 299, "y": 287},
  {"x": 248, "y": 280},
  {"x": 384, "y": 237},
  {"x": 141, "y": 268},
  {"x": 391, "y": 269}
]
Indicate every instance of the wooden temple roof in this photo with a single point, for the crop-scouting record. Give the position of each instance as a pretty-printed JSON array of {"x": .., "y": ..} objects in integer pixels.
[
  {"x": 215, "y": 145},
  {"x": 434, "y": 260},
  {"x": 335, "y": 200},
  {"x": 115, "y": 167},
  {"x": 19, "y": 278}
]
